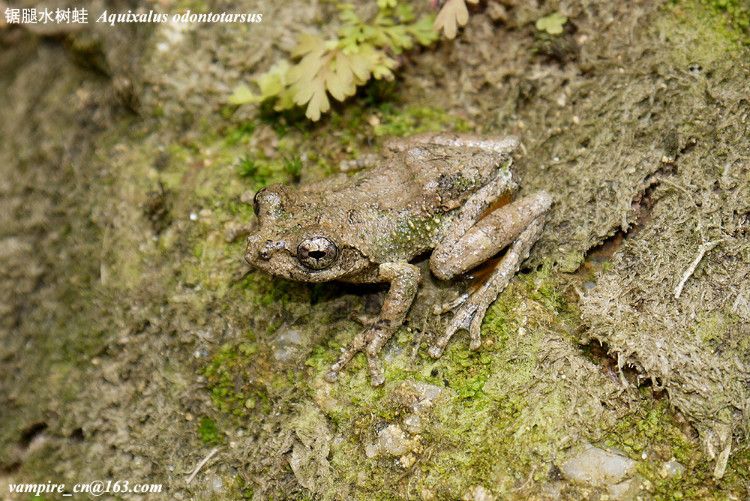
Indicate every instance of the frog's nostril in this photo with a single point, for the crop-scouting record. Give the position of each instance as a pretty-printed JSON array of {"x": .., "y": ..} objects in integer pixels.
[
  {"x": 264, "y": 254},
  {"x": 271, "y": 247}
]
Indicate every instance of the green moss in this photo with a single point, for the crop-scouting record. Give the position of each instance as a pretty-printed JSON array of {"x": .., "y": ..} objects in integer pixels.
[
  {"x": 700, "y": 33},
  {"x": 490, "y": 408},
  {"x": 570, "y": 261},
  {"x": 209, "y": 432},
  {"x": 404, "y": 121},
  {"x": 738, "y": 471},
  {"x": 547, "y": 288},
  {"x": 266, "y": 290},
  {"x": 378, "y": 114},
  {"x": 262, "y": 172},
  {"x": 293, "y": 167},
  {"x": 240, "y": 134},
  {"x": 234, "y": 378},
  {"x": 497, "y": 413},
  {"x": 736, "y": 14},
  {"x": 652, "y": 429},
  {"x": 713, "y": 328},
  {"x": 653, "y": 435}
]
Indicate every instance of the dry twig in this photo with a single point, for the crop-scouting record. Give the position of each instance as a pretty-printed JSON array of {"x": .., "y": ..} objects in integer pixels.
[
  {"x": 202, "y": 464},
  {"x": 702, "y": 250}
]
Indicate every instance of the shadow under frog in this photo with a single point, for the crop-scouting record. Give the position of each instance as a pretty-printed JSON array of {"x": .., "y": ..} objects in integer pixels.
[{"x": 433, "y": 192}]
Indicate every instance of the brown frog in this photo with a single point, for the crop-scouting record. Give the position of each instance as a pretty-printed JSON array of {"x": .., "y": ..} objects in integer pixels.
[{"x": 432, "y": 192}]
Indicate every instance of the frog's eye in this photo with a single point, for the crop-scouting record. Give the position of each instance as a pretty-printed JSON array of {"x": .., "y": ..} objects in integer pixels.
[{"x": 317, "y": 253}]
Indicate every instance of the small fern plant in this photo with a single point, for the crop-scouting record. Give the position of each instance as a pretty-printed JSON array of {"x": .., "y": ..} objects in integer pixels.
[
  {"x": 361, "y": 50},
  {"x": 453, "y": 14}
]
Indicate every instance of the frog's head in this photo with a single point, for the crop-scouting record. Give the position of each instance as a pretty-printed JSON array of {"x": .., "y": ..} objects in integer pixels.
[{"x": 292, "y": 243}]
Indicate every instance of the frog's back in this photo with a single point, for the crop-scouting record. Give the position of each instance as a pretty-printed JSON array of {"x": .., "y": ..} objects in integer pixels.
[
  {"x": 434, "y": 178},
  {"x": 397, "y": 209}
]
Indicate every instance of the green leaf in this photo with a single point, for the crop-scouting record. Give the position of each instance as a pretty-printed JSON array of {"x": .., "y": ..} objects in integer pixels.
[
  {"x": 382, "y": 70},
  {"x": 285, "y": 100},
  {"x": 400, "y": 38},
  {"x": 302, "y": 91},
  {"x": 362, "y": 63},
  {"x": 423, "y": 30},
  {"x": 340, "y": 78},
  {"x": 362, "y": 50},
  {"x": 552, "y": 24},
  {"x": 243, "y": 95},
  {"x": 272, "y": 82},
  {"x": 307, "y": 43},
  {"x": 453, "y": 14},
  {"x": 347, "y": 15},
  {"x": 308, "y": 66},
  {"x": 318, "y": 101},
  {"x": 404, "y": 13}
]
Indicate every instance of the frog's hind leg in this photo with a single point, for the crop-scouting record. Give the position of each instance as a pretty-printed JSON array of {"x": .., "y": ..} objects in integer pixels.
[{"x": 519, "y": 224}]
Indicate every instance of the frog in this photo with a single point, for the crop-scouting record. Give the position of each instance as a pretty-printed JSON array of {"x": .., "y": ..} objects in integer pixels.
[{"x": 445, "y": 195}]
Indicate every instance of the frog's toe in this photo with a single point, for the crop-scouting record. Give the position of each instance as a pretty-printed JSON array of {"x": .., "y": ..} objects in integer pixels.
[
  {"x": 468, "y": 317},
  {"x": 439, "y": 309},
  {"x": 373, "y": 362},
  {"x": 475, "y": 329},
  {"x": 435, "y": 351},
  {"x": 355, "y": 346},
  {"x": 376, "y": 371}
]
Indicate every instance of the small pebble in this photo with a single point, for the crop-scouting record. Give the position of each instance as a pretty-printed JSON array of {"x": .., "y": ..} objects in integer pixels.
[
  {"x": 595, "y": 466},
  {"x": 672, "y": 468},
  {"x": 393, "y": 440}
]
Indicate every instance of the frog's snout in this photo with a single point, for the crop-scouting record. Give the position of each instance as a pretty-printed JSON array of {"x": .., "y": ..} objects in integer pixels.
[
  {"x": 251, "y": 257},
  {"x": 263, "y": 252}
]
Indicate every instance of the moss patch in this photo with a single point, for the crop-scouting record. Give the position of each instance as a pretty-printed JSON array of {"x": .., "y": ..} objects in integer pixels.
[
  {"x": 498, "y": 402},
  {"x": 209, "y": 432}
]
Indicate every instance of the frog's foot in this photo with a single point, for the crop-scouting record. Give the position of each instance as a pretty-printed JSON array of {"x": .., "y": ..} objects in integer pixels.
[
  {"x": 450, "y": 305},
  {"x": 468, "y": 317},
  {"x": 369, "y": 342},
  {"x": 470, "y": 314},
  {"x": 404, "y": 280},
  {"x": 355, "y": 346}
]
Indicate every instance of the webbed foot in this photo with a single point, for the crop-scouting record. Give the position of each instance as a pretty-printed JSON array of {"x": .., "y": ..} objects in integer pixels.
[
  {"x": 404, "y": 280},
  {"x": 468, "y": 316},
  {"x": 369, "y": 342}
]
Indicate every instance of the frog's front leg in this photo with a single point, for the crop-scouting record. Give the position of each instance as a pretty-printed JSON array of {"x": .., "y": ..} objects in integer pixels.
[
  {"x": 404, "y": 280},
  {"x": 519, "y": 224}
]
